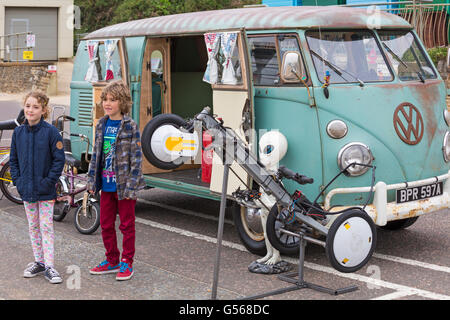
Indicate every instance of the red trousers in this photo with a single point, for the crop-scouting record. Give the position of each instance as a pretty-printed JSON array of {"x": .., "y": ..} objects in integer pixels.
[{"x": 109, "y": 206}]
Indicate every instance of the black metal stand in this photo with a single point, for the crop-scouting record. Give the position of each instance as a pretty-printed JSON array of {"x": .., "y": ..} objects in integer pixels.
[
  {"x": 300, "y": 283},
  {"x": 223, "y": 201}
]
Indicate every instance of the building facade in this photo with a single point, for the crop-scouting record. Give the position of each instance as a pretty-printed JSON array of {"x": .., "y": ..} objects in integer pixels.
[{"x": 50, "y": 21}]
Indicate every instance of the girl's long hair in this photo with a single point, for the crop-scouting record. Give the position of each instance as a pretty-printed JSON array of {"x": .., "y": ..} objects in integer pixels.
[{"x": 42, "y": 99}]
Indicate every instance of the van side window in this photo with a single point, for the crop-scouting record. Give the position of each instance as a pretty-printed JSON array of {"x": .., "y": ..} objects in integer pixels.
[
  {"x": 223, "y": 66},
  {"x": 266, "y": 56},
  {"x": 104, "y": 60},
  {"x": 229, "y": 72},
  {"x": 109, "y": 64}
]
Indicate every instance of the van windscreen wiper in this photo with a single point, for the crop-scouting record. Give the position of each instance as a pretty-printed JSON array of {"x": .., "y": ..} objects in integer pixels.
[
  {"x": 401, "y": 61},
  {"x": 336, "y": 69}
]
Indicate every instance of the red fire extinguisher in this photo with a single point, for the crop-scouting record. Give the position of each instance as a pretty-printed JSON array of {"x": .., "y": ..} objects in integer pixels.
[{"x": 207, "y": 158}]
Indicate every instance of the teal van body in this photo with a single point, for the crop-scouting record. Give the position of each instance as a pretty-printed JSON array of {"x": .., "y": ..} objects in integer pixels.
[
  {"x": 81, "y": 99},
  {"x": 379, "y": 112}
]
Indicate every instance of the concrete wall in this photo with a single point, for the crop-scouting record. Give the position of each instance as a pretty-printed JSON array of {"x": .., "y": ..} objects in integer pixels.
[{"x": 65, "y": 21}]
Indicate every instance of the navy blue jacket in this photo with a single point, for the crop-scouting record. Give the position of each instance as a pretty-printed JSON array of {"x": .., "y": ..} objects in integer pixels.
[{"x": 36, "y": 160}]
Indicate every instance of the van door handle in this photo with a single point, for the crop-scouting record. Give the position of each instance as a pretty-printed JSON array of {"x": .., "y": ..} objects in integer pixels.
[{"x": 149, "y": 110}]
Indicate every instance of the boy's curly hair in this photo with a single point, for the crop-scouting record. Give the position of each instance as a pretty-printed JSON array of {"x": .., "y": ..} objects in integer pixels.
[
  {"x": 42, "y": 99},
  {"x": 119, "y": 91}
]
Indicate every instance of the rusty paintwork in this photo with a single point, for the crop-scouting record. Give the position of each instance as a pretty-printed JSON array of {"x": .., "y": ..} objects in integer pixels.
[
  {"x": 263, "y": 18},
  {"x": 427, "y": 95}
]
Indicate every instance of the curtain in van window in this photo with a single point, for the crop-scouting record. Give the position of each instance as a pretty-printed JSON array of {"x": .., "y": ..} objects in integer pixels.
[
  {"x": 92, "y": 73},
  {"x": 110, "y": 46},
  {"x": 212, "y": 41},
  {"x": 228, "y": 43}
]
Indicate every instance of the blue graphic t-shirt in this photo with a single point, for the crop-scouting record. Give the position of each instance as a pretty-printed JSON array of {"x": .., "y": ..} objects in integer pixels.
[{"x": 109, "y": 147}]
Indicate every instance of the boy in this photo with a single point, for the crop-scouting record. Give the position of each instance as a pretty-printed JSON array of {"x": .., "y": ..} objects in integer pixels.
[{"x": 116, "y": 170}]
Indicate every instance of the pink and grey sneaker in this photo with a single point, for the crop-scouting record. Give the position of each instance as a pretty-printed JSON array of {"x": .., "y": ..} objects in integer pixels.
[
  {"x": 126, "y": 270},
  {"x": 104, "y": 268}
]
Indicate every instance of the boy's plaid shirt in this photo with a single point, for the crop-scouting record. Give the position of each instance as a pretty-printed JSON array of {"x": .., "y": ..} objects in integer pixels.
[{"x": 127, "y": 159}]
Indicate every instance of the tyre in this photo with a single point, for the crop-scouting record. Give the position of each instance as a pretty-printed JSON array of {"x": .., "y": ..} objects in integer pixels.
[
  {"x": 146, "y": 140},
  {"x": 250, "y": 234},
  {"x": 351, "y": 241},
  {"x": 87, "y": 223},
  {"x": 286, "y": 244},
  {"x": 399, "y": 224},
  {"x": 61, "y": 208},
  {"x": 7, "y": 187}
]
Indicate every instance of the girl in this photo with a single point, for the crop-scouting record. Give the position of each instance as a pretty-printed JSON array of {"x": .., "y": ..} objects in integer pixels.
[
  {"x": 116, "y": 170},
  {"x": 37, "y": 160}
]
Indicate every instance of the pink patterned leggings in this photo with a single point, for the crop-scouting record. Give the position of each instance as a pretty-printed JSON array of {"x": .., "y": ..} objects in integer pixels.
[{"x": 40, "y": 227}]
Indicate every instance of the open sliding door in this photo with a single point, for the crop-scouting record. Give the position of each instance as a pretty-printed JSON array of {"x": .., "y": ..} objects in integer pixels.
[
  {"x": 232, "y": 99},
  {"x": 155, "y": 86}
]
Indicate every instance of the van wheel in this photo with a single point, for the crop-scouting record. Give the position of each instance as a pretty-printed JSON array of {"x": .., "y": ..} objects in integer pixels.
[
  {"x": 250, "y": 233},
  {"x": 146, "y": 139},
  {"x": 399, "y": 224}
]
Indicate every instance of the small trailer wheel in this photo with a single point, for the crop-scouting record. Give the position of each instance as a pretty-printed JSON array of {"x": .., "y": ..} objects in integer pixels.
[{"x": 351, "y": 241}]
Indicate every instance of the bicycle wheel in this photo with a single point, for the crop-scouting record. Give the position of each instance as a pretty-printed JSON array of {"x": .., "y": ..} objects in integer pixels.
[
  {"x": 61, "y": 207},
  {"x": 87, "y": 223},
  {"x": 283, "y": 242},
  {"x": 7, "y": 187}
]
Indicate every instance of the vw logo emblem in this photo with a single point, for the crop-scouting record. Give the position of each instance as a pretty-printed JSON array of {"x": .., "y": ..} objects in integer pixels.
[{"x": 408, "y": 123}]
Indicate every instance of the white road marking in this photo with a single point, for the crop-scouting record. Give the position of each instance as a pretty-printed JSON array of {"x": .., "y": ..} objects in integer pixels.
[
  {"x": 412, "y": 262},
  {"x": 378, "y": 282},
  {"x": 400, "y": 290},
  {"x": 416, "y": 263},
  {"x": 397, "y": 287},
  {"x": 184, "y": 211},
  {"x": 393, "y": 295},
  {"x": 189, "y": 234}
]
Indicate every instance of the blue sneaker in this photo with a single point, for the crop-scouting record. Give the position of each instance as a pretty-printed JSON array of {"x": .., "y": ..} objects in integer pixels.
[
  {"x": 104, "y": 268},
  {"x": 33, "y": 269},
  {"x": 52, "y": 275}
]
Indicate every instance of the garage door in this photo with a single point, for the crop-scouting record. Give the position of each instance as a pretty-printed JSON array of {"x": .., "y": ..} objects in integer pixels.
[{"x": 43, "y": 22}]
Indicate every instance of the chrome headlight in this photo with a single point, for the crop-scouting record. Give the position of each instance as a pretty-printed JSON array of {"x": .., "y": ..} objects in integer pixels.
[
  {"x": 446, "y": 147},
  {"x": 447, "y": 117},
  {"x": 355, "y": 152}
]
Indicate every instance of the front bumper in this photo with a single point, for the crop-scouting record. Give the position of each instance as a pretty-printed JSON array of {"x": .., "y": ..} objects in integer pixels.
[{"x": 381, "y": 211}]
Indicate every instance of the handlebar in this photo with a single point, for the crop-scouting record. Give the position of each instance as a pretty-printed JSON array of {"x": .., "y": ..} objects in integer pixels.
[
  {"x": 78, "y": 135},
  {"x": 206, "y": 111},
  {"x": 13, "y": 123},
  {"x": 65, "y": 118},
  {"x": 289, "y": 174},
  {"x": 82, "y": 136},
  {"x": 21, "y": 117}
]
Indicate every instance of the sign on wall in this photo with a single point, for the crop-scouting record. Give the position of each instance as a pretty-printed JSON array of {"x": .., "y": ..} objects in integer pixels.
[
  {"x": 31, "y": 40},
  {"x": 28, "y": 55}
]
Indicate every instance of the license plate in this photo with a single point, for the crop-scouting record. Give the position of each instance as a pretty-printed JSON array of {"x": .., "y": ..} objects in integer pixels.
[{"x": 420, "y": 192}]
